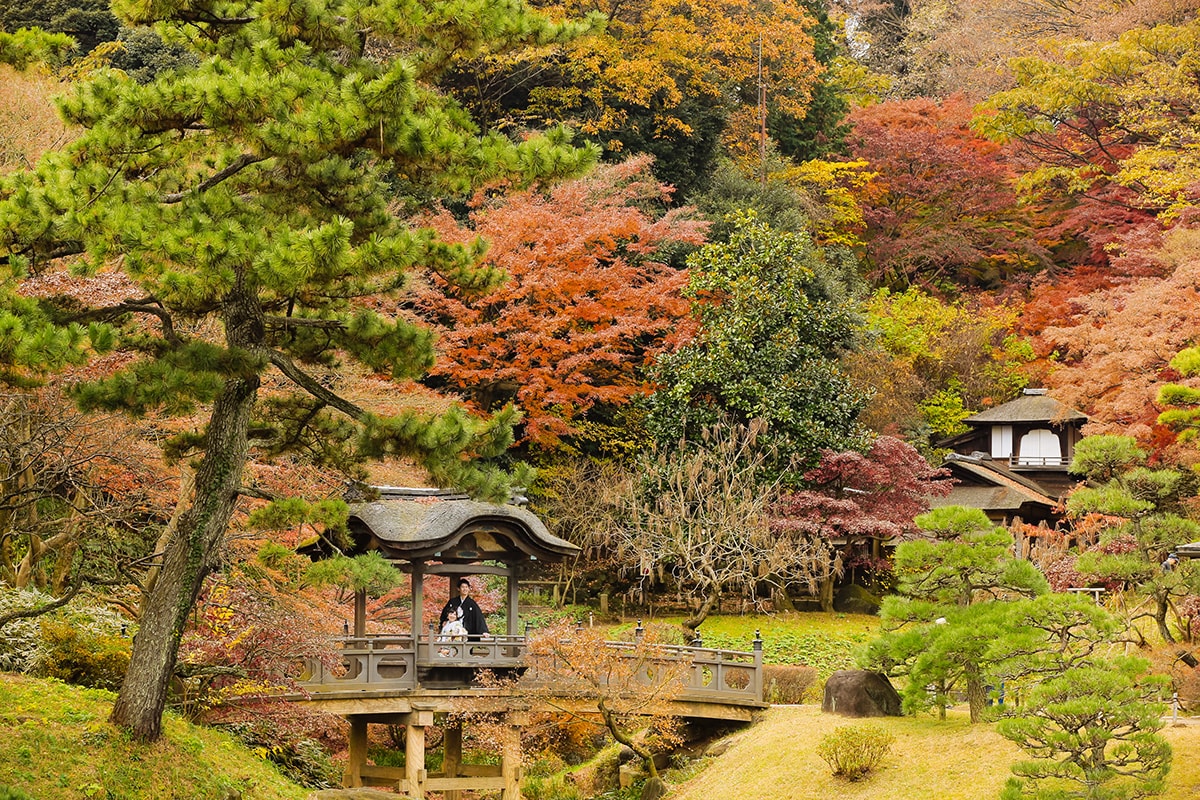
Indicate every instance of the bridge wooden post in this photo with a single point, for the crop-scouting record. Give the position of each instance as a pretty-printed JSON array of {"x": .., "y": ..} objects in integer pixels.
[
  {"x": 352, "y": 777},
  {"x": 510, "y": 754},
  {"x": 414, "y": 753},
  {"x": 452, "y": 755}
]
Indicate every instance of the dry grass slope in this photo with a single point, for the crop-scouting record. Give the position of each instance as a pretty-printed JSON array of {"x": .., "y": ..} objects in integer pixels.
[{"x": 930, "y": 760}]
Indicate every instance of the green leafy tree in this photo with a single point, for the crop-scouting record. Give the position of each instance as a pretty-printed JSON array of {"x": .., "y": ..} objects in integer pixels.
[
  {"x": 1182, "y": 402},
  {"x": 248, "y": 200},
  {"x": 775, "y": 313},
  {"x": 932, "y": 361},
  {"x": 1142, "y": 522},
  {"x": 87, "y": 22}
]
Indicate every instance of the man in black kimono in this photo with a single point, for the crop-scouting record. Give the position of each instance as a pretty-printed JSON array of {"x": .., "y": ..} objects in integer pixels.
[{"x": 472, "y": 616}]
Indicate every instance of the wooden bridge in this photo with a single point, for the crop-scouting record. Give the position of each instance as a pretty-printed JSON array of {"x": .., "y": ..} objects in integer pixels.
[
  {"x": 426, "y": 683},
  {"x": 722, "y": 684}
]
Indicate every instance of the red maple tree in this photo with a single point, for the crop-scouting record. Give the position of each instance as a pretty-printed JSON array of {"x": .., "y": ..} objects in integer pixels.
[{"x": 942, "y": 209}]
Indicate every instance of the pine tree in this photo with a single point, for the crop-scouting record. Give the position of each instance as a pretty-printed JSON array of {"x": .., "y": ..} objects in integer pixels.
[{"x": 255, "y": 195}]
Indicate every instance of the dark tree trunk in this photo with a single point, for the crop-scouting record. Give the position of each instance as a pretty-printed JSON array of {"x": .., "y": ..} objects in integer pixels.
[
  {"x": 623, "y": 737},
  {"x": 195, "y": 549},
  {"x": 693, "y": 622},
  {"x": 1161, "y": 606},
  {"x": 826, "y": 594},
  {"x": 976, "y": 695}
]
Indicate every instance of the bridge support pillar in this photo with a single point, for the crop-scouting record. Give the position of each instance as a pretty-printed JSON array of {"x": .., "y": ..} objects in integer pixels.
[
  {"x": 452, "y": 755},
  {"x": 510, "y": 754},
  {"x": 414, "y": 753},
  {"x": 352, "y": 777}
]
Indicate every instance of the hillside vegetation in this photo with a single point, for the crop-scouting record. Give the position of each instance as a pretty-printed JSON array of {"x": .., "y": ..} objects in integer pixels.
[{"x": 56, "y": 744}]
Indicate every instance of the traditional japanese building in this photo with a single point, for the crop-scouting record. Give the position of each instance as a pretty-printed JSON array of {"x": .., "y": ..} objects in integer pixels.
[{"x": 1013, "y": 461}]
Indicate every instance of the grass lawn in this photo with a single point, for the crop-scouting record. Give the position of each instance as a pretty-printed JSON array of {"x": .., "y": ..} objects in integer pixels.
[
  {"x": 824, "y": 641},
  {"x": 55, "y": 743},
  {"x": 930, "y": 760}
]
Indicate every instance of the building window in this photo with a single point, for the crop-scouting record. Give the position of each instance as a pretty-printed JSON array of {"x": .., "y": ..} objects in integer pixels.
[{"x": 1002, "y": 441}]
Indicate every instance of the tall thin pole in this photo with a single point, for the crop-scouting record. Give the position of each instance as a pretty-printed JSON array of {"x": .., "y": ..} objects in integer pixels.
[{"x": 762, "y": 118}]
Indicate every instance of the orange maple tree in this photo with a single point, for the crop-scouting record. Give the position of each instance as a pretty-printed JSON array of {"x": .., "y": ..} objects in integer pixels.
[{"x": 586, "y": 305}]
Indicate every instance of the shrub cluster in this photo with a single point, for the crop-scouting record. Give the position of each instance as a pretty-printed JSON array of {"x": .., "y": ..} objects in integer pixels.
[
  {"x": 80, "y": 644},
  {"x": 300, "y": 758},
  {"x": 787, "y": 684},
  {"x": 854, "y": 750}
]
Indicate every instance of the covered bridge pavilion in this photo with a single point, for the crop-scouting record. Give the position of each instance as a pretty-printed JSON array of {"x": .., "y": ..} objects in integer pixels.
[{"x": 413, "y": 679}]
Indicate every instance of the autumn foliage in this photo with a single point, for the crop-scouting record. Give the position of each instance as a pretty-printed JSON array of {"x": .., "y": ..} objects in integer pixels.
[
  {"x": 942, "y": 210},
  {"x": 586, "y": 305}
]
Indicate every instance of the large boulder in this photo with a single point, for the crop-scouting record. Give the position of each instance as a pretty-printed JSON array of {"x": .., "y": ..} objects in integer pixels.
[{"x": 859, "y": 693}]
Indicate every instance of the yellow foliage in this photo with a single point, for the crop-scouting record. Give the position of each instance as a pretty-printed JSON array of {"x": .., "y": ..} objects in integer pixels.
[
  {"x": 655, "y": 53},
  {"x": 838, "y": 183}
]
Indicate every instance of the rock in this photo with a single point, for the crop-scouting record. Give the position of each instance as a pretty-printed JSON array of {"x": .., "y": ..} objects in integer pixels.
[
  {"x": 859, "y": 693},
  {"x": 719, "y": 747},
  {"x": 654, "y": 789},
  {"x": 630, "y": 774},
  {"x": 854, "y": 599}
]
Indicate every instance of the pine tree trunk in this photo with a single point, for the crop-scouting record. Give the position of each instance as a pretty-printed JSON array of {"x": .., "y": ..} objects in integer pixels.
[
  {"x": 1161, "y": 606},
  {"x": 195, "y": 549},
  {"x": 976, "y": 695}
]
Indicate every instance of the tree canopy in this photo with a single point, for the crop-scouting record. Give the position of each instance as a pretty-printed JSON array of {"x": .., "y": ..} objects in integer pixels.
[
  {"x": 248, "y": 200},
  {"x": 775, "y": 312}
]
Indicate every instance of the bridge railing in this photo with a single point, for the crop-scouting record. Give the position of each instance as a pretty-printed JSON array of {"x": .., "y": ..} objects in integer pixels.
[
  {"x": 367, "y": 662},
  {"x": 394, "y": 662}
]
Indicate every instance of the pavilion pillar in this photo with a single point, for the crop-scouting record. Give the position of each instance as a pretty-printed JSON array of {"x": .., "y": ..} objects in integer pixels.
[
  {"x": 510, "y": 755},
  {"x": 452, "y": 755},
  {"x": 352, "y": 777},
  {"x": 418, "y": 602},
  {"x": 514, "y": 627},
  {"x": 360, "y": 613}
]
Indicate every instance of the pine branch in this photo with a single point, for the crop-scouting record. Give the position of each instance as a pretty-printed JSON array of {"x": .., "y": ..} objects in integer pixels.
[
  {"x": 259, "y": 494},
  {"x": 145, "y": 305},
  {"x": 195, "y": 15},
  {"x": 283, "y": 323},
  {"x": 311, "y": 385},
  {"x": 238, "y": 164}
]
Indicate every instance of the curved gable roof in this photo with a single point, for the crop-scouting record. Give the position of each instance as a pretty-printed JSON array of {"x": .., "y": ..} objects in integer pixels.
[{"x": 454, "y": 530}]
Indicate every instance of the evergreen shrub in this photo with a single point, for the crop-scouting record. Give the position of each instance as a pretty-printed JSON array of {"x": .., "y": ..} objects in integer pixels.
[{"x": 852, "y": 751}]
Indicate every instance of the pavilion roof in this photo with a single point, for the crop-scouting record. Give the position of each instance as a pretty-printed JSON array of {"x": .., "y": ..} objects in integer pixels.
[{"x": 452, "y": 529}]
